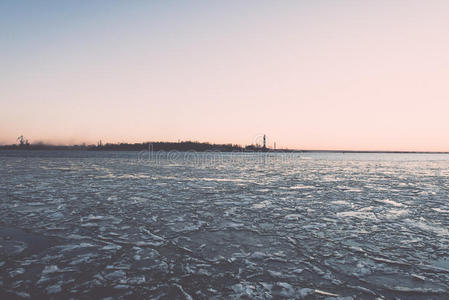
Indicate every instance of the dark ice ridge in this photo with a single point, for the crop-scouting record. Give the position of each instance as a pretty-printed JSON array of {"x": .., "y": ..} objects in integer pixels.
[{"x": 312, "y": 227}]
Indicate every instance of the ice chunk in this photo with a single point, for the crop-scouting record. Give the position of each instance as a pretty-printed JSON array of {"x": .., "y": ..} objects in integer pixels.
[
  {"x": 50, "y": 269},
  {"x": 55, "y": 288}
]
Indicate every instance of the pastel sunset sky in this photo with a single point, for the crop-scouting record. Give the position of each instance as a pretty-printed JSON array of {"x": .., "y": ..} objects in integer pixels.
[{"x": 355, "y": 75}]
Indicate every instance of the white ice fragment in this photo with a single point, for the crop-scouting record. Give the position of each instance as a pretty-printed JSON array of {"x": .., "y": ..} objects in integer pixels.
[
  {"x": 274, "y": 273},
  {"x": 118, "y": 267},
  {"x": 137, "y": 280},
  {"x": 53, "y": 289},
  {"x": 83, "y": 259},
  {"x": 89, "y": 224},
  {"x": 185, "y": 249},
  {"x": 148, "y": 243},
  {"x": 121, "y": 287},
  {"x": 362, "y": 289},
  {"x": 184, "y": 293},
  {"x": 262, "y": 204},
  {"x": 112, "y": 247},
  {"x": 56, "y": 215},
  {"x": 77, "y": 237},
  {"x": 304, "y": 292},
  {"x": 391, "y": 202},
  {"x": 75, "y": 246},
  {"x": 440, "y": 210},
  {"x": 301, "y": 187},
  {"x": 419, "y": 277},
  {"x": 23, "y": 294},
  {"x": 292, "y": 240},
  {"x": 287, "y": 289},
  {"x": 16, "y": 272},
  {"x": 293, "y": 217},
  {"x": 152, "y": 235},
  {"x": 50, "y": 269},
  {"x": 258, "y": 255},
  {"x": 438, "y": 230},
  {"x": 395, "y": 213},
  {"x": 116, "y": 275},
  {"x": 357, "y": 214},
  {"x": 357, "y": 249},
  {"x": 417, "y": 289},
  {"x": 340, "y": 202},
  {"x": 389, "y": 261},
  {"x": 326, "y": 293},
  {"x": 91, "y": 218},
  {"x": 318, "y": 270},
  {"x": 244, "y": 290}
]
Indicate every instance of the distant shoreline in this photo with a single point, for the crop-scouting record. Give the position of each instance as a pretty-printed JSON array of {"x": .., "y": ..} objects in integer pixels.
[{"x": 189, "y": 147}]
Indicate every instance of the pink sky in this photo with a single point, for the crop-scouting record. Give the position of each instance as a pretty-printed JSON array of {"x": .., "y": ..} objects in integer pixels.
[{"x": 355, "y": 75}]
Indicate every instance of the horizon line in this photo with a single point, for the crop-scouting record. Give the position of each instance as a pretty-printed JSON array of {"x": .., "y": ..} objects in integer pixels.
[{"x": 98, "y": 147}]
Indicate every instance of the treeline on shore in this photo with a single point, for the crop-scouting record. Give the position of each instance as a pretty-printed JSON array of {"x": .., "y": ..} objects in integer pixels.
[{"x": 154, "y": 146}]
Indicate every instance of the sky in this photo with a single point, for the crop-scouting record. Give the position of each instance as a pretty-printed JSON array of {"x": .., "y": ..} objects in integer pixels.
[{"x": 353, "y": 75}]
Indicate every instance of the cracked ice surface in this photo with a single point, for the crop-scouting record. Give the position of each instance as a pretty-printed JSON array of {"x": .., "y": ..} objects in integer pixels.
[{"x": 335, "y": 226}]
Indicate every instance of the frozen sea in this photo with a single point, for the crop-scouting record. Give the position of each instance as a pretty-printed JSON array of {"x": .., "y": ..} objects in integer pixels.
[{"x": 83, "y": 225}]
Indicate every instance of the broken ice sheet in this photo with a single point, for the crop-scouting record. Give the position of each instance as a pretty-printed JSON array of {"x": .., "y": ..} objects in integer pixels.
[{"x": 320, "y": 226}]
